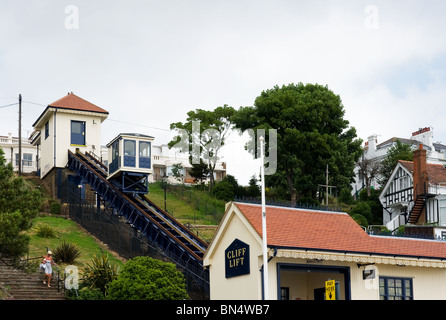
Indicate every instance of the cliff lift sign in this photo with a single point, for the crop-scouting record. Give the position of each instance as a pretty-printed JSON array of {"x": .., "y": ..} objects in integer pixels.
[{"x": 237, "y": 259}]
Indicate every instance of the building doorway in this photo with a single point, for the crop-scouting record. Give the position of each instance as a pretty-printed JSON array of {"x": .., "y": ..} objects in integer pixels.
[{"x": 307, "y": 282}]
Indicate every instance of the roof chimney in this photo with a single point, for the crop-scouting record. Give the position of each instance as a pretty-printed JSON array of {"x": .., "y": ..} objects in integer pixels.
[
  {"x": 372, "y": 142},
  {"x": 419, "y": 171},
  {"x": 424, "y": 136}
]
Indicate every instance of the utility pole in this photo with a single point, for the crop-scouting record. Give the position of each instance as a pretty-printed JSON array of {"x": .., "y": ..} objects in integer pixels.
[
  {"x": 326, "y": 186},
  {"x": 20, "y": 134}
]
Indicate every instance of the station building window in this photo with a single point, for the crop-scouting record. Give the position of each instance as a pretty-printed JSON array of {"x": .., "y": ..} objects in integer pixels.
[{"x": 395, "y": 288}]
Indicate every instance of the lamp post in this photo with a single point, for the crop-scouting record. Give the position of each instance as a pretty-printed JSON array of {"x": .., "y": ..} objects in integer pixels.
[
  {"x": 264, "y": 247},
  {"x": 164, "y": 181}
]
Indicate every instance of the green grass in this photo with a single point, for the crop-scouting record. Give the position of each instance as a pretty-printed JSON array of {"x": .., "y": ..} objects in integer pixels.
[
  {"x": 69, "y": 231},
  {"x": 190, "y": 206},
  {"x": 176, "y": 207}
]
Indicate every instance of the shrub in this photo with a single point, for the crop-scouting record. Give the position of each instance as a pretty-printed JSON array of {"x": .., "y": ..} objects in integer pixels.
[
  {"x": 99, "y": 274},
  {"x": 362, "y": 208},
  {"x": 145, "y": 278},
  {"x": 45, "y": 231},
  {"x": 66, "y": 252},
  {"x": 223, "y": 191},
  {"x": 55, "y": 207},
  {"x": 84, "y": 294},
  {"x": 360, "y": 219}
]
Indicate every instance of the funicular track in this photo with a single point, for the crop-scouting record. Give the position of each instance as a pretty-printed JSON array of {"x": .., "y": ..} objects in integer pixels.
[{"x": 173, "y": 238}]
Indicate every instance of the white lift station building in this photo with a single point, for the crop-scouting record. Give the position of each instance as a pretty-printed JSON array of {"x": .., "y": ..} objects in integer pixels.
[{"x": 309, "y": 248}]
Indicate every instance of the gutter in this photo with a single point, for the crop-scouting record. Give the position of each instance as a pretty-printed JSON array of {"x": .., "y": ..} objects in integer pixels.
[
  {"x": 55, "y": 112},
  {"x": 389, "y": 255}
]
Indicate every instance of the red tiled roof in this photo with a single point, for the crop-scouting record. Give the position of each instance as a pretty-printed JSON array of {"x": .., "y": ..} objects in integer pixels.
[
  {"x": 436, "y": 172},
  {"x": 73, "y": 102},
  {"x": 332, "y": 231}
]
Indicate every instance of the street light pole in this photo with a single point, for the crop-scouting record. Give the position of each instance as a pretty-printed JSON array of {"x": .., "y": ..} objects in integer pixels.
[
  {"x": 264, "y": 247},
  {"x": 20, "y": 135}
]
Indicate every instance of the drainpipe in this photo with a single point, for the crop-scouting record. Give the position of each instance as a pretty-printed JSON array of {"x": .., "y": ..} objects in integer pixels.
[
  {"x": 262, "y": 269},
  {"x": 55, "y": 111}
]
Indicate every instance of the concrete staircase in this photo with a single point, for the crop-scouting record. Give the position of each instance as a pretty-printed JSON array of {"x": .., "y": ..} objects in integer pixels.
[{"x": 23, "y": 286}]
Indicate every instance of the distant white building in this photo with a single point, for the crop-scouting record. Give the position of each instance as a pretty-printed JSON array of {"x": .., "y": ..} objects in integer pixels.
[
  {"x": 436, "y": 152},
  {"x": 10, "y": 146},
  {"x": 164, "y": 159}
]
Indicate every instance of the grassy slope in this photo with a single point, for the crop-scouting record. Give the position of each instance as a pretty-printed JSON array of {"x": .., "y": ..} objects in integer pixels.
[
  {"x": 184, "y": 207},
  {"x": 69, "y": 231}
]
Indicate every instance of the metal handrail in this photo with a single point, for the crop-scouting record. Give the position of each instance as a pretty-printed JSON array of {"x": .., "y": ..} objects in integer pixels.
[{"x": 54, "y": 275}]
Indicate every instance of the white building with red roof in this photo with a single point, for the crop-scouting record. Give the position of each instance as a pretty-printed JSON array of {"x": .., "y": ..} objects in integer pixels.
[
  {"x": 306, "y": 248},
  {"x": 68, "y": 123}
]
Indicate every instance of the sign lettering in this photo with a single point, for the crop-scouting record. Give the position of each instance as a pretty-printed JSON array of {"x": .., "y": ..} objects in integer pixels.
[
  {"x": 237, "y": 259},
  {"x": 330, "y": 292}
]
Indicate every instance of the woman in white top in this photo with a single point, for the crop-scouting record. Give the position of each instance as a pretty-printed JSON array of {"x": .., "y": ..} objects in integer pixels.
[{"x": 48, "y": 262}]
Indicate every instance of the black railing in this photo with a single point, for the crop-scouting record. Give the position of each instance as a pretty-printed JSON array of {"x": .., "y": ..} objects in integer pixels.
[
  {"x": 290, "y": 204},
  {"x": 24, "y": 264}
]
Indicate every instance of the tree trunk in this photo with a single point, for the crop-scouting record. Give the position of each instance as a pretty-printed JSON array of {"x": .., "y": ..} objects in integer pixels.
[{"x": 291, "y": 189}]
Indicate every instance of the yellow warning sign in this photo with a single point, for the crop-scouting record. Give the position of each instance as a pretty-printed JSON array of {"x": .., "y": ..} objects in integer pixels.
[{"x": 330, "y": 293}]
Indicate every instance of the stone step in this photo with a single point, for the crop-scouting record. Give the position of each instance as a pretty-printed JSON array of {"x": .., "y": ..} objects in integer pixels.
[{"x": 23, "y": 286}]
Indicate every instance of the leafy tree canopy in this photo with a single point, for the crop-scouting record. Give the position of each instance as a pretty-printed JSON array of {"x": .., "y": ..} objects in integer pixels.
[
  {"x": 19, "y": 203},
  {"x": 399, "y": 151},
  {"x": 311, "y": 134},
  {"x": 205, "y": 141}
]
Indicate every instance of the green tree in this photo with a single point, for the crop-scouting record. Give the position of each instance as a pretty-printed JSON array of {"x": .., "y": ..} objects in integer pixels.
[
  {"x": 178, "y": 171},
  {"x": 214, "y": 126},
  {"x": 199, "y": 171},
  {"x": 253, "y": 188},
  {"x": 369, "y": 207},
  {"x": 238, "y": 190},
  {"x": 19, "y": 204},
  {"x": 145, "y": 278},
  {"x": 311, "y": 134},
  {"x": 399, "y": 151},
  {"x": 223, "y": 190}
]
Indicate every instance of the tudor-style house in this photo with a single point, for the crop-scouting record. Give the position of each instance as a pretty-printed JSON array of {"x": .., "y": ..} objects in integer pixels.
[
  {"x": 375, "y": 152},
  {"x": 415, "y": 196}
]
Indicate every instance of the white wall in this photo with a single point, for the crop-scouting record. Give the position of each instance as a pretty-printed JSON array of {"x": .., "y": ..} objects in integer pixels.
[
  {"x": 60, "y": 131},
  {"x": 245, "y": 287}
]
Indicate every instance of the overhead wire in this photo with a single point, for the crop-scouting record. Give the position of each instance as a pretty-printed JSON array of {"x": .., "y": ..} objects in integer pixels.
[
  {"x": 114, "y": 120},
  {"x": 8, "y": 105}
]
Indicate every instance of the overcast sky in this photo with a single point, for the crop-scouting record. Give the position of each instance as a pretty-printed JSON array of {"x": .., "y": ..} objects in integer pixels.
[{"x": 149, "y": 62}]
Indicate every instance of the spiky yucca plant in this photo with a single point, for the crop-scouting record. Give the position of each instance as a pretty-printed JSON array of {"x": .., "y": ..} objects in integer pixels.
[
  {"x": 66, "y": 253},
  {"x": 99, "y": 274}
]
